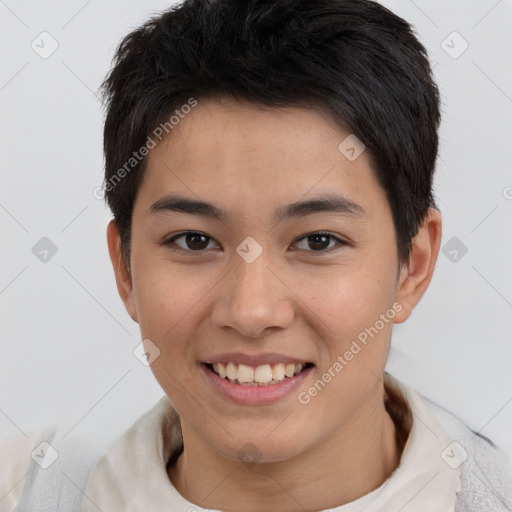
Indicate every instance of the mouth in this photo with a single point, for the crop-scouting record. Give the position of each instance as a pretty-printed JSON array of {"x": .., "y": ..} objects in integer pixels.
[{"x": 263, "y": 375}]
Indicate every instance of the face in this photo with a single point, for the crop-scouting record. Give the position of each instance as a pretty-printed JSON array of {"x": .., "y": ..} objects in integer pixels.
[{"x": 258, "y": 246}]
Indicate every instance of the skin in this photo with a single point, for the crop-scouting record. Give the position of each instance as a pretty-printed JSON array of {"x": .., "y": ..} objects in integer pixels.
[{"x": 292, "y": 300}]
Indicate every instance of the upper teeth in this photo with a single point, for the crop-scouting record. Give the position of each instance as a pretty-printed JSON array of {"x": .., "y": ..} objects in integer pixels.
[{"x": 263, "y": 374}]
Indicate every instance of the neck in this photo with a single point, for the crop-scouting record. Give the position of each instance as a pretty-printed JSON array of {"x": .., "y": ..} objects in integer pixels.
[{"x": 353, "y": 461}]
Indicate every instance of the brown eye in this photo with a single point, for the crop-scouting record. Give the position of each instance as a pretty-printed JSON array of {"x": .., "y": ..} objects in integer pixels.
[
  {"x": 190, "y": 241},
  {"x": 317, "y": 242}
]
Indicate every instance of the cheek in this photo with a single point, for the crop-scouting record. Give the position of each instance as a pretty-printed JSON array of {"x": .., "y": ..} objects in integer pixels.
[
  {"x": 168, "y": 304},
  {"x": 354, "y": 316},
  {"x": 347, "y": 298},
  {"x": 165, "y": 293}
]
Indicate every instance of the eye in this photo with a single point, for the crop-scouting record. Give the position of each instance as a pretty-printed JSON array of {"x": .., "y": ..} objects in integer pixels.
[
  {"x": 195, "y": 241},
  {"x": 319, "y": 241},
  {"x": 191, "y": 241}
]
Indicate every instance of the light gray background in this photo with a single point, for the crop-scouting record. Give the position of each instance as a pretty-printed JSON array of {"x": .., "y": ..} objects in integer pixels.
[{"x": 66, "y": 339}]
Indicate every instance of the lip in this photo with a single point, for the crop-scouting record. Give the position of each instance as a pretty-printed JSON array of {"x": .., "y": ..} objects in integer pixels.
[
  {"x": 254, "y": 360},
  {"x": 255, "y": 395}
]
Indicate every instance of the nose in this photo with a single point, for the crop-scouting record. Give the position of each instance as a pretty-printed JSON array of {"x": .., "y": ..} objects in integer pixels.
[{"x": 253, "y": 298}]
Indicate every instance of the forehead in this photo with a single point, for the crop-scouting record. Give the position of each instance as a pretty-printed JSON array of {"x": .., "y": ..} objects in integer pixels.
[
  {"x": 220, "y": 128},
  {"x": 249, "y": 155}
]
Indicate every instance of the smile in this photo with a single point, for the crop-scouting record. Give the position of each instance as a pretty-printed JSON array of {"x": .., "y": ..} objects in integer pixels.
[{"x": 262, "y": 375}]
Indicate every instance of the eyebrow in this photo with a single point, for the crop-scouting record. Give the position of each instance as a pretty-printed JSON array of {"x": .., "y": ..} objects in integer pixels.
[{"x": 328, "y": 204}]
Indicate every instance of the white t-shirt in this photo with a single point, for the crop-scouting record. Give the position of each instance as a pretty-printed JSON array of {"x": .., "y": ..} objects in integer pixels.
[{"x": 131, "y": 475}]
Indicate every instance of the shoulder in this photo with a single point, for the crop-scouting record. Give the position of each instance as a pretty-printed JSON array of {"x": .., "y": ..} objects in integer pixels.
[
  {"x": 45, "y": 468},
  {"x": 486, "y": 473},
  {"x": 15, "y": 454}
]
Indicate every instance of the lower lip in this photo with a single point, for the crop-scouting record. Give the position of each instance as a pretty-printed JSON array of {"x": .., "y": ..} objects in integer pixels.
[{"x": 255, "y": 395}]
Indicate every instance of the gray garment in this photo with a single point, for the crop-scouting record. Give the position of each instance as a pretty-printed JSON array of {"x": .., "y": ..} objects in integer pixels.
[
  {"x": 486, "y": 476},
  {"x": 57, "y": 487}
]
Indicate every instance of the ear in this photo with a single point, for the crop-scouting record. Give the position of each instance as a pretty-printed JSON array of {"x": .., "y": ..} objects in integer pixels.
[
  {"x": 121, "y": 271},
  {"x": 415, "y": 277}
]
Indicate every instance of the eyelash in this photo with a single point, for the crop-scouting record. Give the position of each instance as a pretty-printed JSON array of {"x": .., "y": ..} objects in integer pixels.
[{"x": 171, "y": 241}]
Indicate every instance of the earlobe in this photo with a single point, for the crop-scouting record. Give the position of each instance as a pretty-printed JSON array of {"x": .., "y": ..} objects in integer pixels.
[
  {"x": 121, "y": 271},
  {"x": 416, "y": 276}
]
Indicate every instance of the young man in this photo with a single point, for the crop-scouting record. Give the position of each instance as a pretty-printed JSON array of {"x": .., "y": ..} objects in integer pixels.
[{"x": 269, "y": 166}]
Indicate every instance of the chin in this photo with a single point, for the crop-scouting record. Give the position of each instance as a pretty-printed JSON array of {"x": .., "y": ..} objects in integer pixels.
[{"x": 257, "y": 448}]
